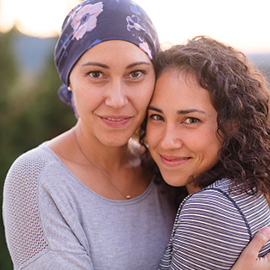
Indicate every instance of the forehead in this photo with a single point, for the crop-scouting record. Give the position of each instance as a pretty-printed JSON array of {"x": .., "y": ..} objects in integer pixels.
[
  {"x": 116, "y": 50},
  {"x": 175, "y": 80},
  {"x": 179, "y": 88}
]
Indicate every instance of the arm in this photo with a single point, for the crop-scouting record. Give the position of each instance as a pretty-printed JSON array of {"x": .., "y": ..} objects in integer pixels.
[
  {"x": 38, "y": 233},
  {"x": 209, "y": 233},
  {"x": 249, "y": 259}
]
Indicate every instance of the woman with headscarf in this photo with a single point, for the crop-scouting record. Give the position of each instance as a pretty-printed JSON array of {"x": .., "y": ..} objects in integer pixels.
[
  {"x": 84, "y": 200},
  {"x": 87, "y": 198}
]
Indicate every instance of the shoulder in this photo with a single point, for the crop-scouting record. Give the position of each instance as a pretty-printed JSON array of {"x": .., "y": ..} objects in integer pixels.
[
  {"x": 213, "y": 204},
  {"x": 212, "y": 195},
  {"x": 36, "y": 157},
  {"x": 210, "y": 222},
  {"x": 216, "y": 194},
  {"x": 216, "y": 206},
  {"x": 27, "y": 168}
]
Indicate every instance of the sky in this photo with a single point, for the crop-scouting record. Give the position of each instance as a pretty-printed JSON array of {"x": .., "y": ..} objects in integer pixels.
[{"x": 244, "y": 24}]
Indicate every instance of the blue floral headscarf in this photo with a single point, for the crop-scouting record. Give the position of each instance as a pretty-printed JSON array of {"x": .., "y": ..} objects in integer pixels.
[{"x": 95, "y": 21}]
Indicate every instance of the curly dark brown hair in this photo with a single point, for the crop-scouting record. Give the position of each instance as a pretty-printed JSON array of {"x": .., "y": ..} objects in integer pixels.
[{"x": 240, "y": 96}]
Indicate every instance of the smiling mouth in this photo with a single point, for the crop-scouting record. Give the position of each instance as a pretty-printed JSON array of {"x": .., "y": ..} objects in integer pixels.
[
  {"x": 116, "y": 122},
  {"x": 169, "y": 158},
  {"x": 115, "y": 119},
  {"x": 174, "y": 161}
]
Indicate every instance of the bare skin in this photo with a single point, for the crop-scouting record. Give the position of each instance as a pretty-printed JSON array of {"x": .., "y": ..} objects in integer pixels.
[{"x": 249, "y": 257}]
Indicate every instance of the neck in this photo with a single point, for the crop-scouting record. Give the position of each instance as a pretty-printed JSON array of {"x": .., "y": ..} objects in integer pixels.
[
  {"x": 192, "y": 189},
  {"x": 108, "y": 173},
  {"x": 109, "y": 158}
]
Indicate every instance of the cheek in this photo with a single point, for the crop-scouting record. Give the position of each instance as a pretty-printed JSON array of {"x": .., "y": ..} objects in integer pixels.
[
  {"x": 152, "y": 136},
  {"x": 145, "y": 97},
  {"x": 148, "y": 135},
  {"x": 140, "y": 103},
  {"x": 144, "y": 92},
  {"x": 215, "y": 147},
  {"x": 210, "y": 151},
  {"x": 86, "y": 100},
  {"x": 204, "y": 143}
]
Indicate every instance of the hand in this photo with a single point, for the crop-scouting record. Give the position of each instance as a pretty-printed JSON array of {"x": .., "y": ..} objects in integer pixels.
[{"x": 249, "y": 259}]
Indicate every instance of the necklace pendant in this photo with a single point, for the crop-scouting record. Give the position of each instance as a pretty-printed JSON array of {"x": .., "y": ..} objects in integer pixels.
[{"x": 100, "y": 169}]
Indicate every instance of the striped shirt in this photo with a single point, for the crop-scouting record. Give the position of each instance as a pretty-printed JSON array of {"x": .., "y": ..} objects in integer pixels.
[{"x": 213, "y": 226}]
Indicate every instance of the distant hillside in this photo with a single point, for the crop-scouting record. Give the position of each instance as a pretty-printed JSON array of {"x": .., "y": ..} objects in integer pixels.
[
  {"x": 260, "y": 59},
  {"x": 32, "y": 53},
  {"x": 262, "y": 62}
]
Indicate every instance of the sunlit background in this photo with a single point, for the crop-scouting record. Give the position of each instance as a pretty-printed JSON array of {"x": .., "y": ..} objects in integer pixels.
[{"x": 242, "y": 23}]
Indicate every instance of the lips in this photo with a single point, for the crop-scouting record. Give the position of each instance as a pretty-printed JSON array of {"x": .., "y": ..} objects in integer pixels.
[
  {"x": 116, "y": 121},
  {"x": 173, "y": 161}
]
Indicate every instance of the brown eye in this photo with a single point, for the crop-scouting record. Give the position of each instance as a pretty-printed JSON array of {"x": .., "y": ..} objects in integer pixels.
[
  {"x": 136, "y": 74},
  {"x": 191, "y": 120},
  {"x": 95, "y": 74},
  {"x": 156, "y": 117}
]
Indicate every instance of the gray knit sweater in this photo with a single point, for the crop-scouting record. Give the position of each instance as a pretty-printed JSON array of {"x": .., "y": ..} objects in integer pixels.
[{"x": 53, "y": 221}]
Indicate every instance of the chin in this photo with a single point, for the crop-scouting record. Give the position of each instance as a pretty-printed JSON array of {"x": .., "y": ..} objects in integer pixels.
[
  {"x": 114, "y": 138},
  {"x": 172, "y": 180},
  {"x": 116, "y": 142}
]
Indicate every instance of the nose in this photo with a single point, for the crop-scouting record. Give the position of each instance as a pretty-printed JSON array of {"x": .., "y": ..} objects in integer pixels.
[
  {"x": 116, "y": 96},
  {"x": 171, "y": 139}
]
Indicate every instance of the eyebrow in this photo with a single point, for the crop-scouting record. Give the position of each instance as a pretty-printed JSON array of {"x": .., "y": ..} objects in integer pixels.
[
  {"x": 95, "y": 64},
  {"x": 107, "y": 67},
  {"x": 138, "y": 64},
  {"x": 178, "y": 112}
]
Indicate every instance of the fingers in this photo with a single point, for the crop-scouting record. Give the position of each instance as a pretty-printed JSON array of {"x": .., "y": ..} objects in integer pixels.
[
  {"x": 258, "y": 241},
  {"x": 249, "y": 257}
]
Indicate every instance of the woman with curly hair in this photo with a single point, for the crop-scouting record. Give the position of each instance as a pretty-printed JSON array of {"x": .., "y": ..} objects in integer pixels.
[
  {"x": 208, "y": 130},
  {"x": 85, "y": 199}
]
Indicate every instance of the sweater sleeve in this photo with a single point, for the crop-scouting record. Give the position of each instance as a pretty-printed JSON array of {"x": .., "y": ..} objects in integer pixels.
[
  {"x": 210, "y": 232},
  {"x": 27, "y": 237}
]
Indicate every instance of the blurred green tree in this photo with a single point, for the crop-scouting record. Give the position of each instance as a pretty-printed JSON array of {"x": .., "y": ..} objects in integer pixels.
[
  {"x": 8, "y": 76},
  {"x": 30, "y": 113}
]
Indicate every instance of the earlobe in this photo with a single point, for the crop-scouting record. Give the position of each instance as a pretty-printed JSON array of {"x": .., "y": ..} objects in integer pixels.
[{"x": 69, "y": 88}]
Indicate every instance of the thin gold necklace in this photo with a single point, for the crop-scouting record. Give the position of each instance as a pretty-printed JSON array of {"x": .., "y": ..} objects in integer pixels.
[{"x": 102, "y": 171}]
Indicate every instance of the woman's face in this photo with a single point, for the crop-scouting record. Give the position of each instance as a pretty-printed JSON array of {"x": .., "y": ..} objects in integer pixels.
[
  {"x": 112, "y": 84},
  {"x": 181, "y": 128}
]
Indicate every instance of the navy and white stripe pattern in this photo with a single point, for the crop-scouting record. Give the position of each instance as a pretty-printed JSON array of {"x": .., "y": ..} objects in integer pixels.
[{"x": 213, "y": 226}]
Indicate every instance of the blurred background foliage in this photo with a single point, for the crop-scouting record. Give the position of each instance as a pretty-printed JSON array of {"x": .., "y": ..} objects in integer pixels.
[{"x": 30, "y": 111}]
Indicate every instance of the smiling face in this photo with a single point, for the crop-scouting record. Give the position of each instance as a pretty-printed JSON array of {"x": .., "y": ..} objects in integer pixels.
[
  {"x": 112, "y": 84},
  {"x": 181, "y": 128}
]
